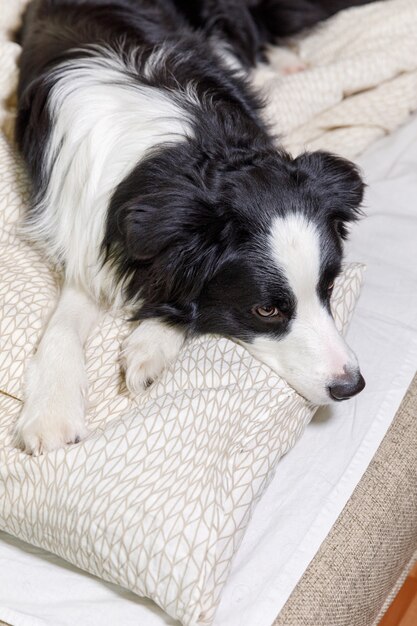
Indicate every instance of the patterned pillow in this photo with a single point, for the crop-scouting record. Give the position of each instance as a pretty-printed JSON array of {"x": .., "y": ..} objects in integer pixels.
[{"x": 157, "y": 498}]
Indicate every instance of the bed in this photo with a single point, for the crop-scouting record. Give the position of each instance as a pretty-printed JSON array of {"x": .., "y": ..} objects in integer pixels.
[
  {"x": 336, "y": 530},
  {"x": 337, "y": 527}
]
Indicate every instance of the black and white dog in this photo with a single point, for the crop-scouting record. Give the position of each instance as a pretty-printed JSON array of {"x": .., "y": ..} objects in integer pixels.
[{"x": 159, "y": 191}]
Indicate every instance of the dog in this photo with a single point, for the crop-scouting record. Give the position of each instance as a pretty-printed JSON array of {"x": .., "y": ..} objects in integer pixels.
[{"x": 160, "y": 192}]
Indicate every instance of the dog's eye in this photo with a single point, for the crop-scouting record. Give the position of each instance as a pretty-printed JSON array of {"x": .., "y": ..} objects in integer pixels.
[
  {"x": 270, "y": 312},
  {"x": 330, "y": 288}
]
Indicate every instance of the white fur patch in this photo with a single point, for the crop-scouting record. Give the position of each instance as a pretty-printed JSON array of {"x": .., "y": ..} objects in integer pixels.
[
  {"x": 312, "y": 354},
  {"x": 104, "y": 123},
  {"x": 147, "y": 351},
  {"x": 295, "y": 246},
  {"x": 56, "y": 382}
]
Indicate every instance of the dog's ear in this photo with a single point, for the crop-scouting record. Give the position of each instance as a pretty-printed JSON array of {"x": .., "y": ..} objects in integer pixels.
[
  {"x": 232, "y": 20},
  {"x": 336, "y": 182},
  {"x": 180, "y": 248}
]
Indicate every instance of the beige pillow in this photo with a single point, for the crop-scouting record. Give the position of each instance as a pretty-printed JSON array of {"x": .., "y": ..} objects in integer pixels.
[{"x": 158, "y": 497}]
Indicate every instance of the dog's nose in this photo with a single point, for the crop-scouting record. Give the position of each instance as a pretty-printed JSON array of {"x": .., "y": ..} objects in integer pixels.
[{"x": 346, "y": 386}]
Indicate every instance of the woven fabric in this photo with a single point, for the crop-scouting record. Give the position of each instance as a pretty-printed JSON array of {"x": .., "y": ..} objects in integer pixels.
[
  {"x": 158, "y": 496},
  {"x": 360, "y": 81},
  {"x": 396, "y": 588},
  {"x": 373, "y": 540}
]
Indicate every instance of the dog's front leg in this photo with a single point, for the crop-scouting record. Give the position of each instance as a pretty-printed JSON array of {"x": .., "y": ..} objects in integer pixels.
[
  {"x": 147, "y": 351},
  {"x": 56, "y": 382}
]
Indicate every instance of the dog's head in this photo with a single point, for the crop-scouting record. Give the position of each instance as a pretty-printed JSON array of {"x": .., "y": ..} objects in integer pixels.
[{"x": 251, "y": 250}]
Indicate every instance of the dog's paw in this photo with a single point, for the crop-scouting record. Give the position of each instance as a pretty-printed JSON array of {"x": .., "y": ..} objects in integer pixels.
[
  {"x": 287, "y": 70},
  {"x": 53, "y": 413},
  {"x": 43, "y": 427},
  {"x": 287, "y": 62},
  {"x": 147, "y": 351}
]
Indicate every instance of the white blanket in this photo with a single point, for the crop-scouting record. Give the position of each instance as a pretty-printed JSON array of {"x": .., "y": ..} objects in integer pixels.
[{"x": 360, "y": 83}]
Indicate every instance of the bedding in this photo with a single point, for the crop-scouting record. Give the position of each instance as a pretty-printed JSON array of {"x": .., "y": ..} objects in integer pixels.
[
  {"x": 316, "y": 478},
  {"x": 245, "y": 595},
  {"x": 159, "y": 494},
  {"x": 360, "y": 81}
]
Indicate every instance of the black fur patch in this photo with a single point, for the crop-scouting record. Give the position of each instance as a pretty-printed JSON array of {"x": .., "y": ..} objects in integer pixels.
[{"x": 185, "y": 229}]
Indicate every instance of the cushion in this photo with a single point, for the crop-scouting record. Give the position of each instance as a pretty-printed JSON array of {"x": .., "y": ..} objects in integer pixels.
[{"x": 157, "y": 498}]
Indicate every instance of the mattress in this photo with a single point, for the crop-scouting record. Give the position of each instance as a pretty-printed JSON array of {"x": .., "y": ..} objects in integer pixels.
[{"x": 315, "y": 481}]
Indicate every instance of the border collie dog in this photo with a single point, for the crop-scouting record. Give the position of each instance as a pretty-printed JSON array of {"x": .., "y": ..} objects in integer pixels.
[{"x": 159, "y": 191}]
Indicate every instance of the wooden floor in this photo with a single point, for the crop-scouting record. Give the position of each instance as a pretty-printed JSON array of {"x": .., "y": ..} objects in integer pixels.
[{"x": 403, "y": 610}]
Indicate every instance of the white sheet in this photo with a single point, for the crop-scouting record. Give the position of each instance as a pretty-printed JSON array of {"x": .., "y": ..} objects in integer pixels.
[{"x": 315, "y": 480}]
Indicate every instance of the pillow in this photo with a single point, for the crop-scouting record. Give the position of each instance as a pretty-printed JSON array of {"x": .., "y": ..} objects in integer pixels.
[{"x": 158, "y": 497}]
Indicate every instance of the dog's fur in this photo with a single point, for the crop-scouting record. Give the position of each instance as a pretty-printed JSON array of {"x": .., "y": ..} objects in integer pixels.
[{"x": 159, "y": 191}]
